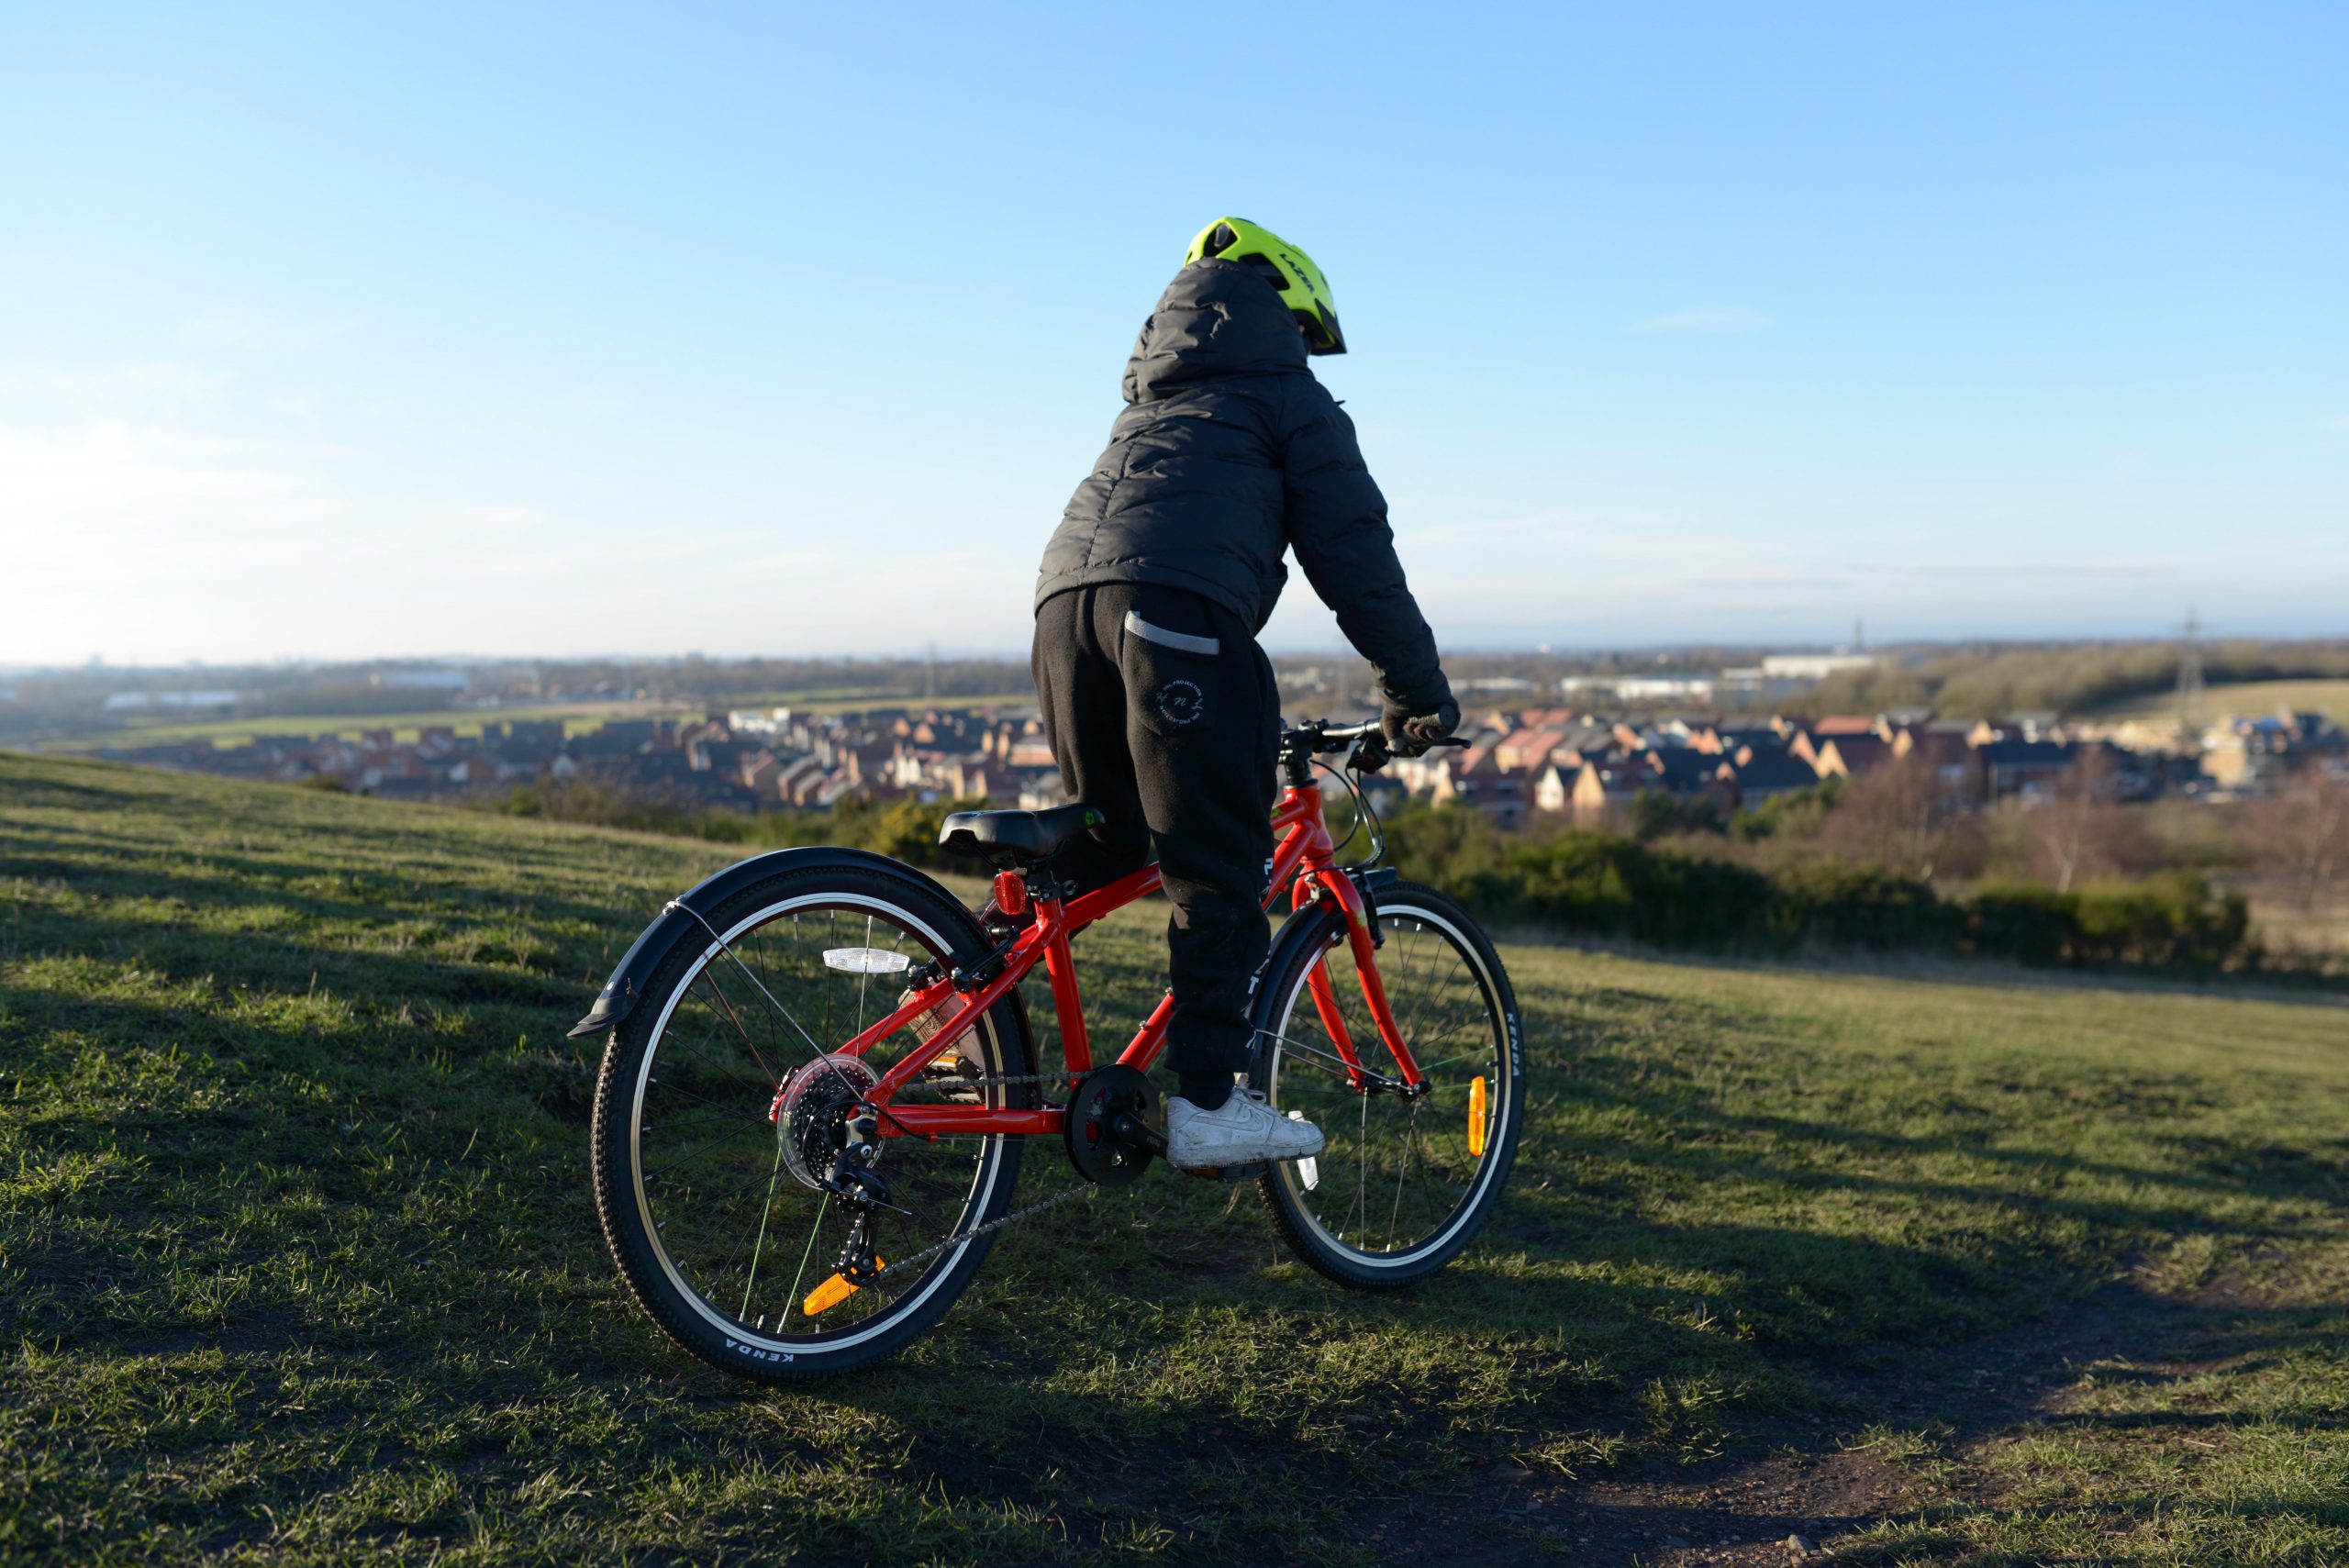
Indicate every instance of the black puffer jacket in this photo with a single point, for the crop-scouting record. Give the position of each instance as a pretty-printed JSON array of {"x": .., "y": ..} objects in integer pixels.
[{"x": 1228, "y": 455}]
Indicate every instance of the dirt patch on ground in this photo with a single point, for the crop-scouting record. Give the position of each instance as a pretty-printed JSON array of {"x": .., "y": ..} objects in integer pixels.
[
  {"x": 1823, "y": 1480},
  {"x": 1826, "y": 1480}
]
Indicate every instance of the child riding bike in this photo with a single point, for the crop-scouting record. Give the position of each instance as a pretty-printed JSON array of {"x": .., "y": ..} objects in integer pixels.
[{"x": 1161, "y": 709}]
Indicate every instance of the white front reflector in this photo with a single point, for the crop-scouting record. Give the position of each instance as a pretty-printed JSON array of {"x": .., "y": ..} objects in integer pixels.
[{"x": 867, "y": 960}]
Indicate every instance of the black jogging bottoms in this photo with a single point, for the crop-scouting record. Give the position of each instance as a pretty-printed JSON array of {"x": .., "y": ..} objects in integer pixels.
[{"x": 1163, "y": 713}]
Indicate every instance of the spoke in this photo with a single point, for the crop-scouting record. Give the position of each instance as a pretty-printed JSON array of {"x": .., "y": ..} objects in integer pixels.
[
  {"x": 863, "y": 978},
  {"x": 1362, "y": 1163},
  {"x": 727, "y": 1003},
  {"x": 731, "y": 1073},
  {"x": 724, "y": 1197},
  {"x": 732, "y": 1117},
  {"x": 710, "y": 1171},
  {"x": 1412, "y": 1033},
  {"x": 788, "y": 1017},
  {"x": 1335, "y": 1062},
  {"x": 1403, "y": 968},
  {"x": 805, "y": 1254},
  {"x": 674, "y": 1089},
  {"x": 712, "y": 1038},
  {"x": 675, "y": 1160},
  {"x": 831, "y": 940},
  {"x": 1402, "y": 1169},
  {"x": 773, "y": 1040},
  {"x": 766, "y": 1211},
  {"x": 1443, "y": 1013}
]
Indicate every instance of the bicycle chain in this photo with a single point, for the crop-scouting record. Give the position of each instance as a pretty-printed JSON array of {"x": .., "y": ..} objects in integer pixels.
[
  {"x": 1067, "y": 1080},
  {"x": 913, "y": 1264}
]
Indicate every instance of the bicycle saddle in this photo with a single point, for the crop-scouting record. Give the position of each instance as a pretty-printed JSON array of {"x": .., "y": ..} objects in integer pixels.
[{"x": 1023, "y": 835}]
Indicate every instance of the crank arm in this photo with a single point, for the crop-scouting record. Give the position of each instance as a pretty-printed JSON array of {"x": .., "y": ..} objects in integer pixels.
[{"x": 1130, "y": 1129}]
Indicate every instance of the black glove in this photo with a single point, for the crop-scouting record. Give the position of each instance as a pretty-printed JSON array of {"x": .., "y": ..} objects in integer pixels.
[{"x": 1409, "y": 726}]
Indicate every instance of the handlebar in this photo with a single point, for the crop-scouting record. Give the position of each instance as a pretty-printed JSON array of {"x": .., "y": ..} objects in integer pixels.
[
  {"x": 1366, "y": 750},
  {"x": 1364, "y": 745}
]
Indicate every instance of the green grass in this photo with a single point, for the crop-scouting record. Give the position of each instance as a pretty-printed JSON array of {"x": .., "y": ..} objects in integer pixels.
[
  {"x": 576, "y": 717},
  {"x": 2249, "y": 698},
  {"x": 298, "y": 1261},
  {"x": 852, "y": 699}
]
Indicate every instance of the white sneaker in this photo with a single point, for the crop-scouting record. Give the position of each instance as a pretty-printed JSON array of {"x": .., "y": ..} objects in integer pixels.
[{"x": 1243, "y": 1130}]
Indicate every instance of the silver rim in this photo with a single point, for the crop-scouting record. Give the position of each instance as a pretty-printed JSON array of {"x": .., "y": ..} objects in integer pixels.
[
  {"x": 1390, "y": 1161},
  {"x": 806, "y": 1252}
]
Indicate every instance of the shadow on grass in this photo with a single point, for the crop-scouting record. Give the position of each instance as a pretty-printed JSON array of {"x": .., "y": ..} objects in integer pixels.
[{"x": 405, "y": 1203}]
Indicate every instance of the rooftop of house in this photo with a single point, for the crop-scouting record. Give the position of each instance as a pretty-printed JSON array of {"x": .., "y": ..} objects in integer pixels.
[
  {"x": 2011, "y": 750},
  {"x": 1775, "y": 770}
]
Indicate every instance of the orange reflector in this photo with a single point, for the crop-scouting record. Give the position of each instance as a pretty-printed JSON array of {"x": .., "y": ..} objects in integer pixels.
[
  {"x": 831, "y": 1293},
  {"x": 1475, "y": 1118}
]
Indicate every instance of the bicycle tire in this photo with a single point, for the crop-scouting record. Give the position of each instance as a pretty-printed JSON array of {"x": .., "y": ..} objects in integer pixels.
[
  {"x": 706, "y": 1328},
  {"x": 1309, "y": 939}
]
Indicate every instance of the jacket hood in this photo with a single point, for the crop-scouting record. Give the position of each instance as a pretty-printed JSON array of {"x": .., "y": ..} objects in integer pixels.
[{"x": 1216, "y": 318}]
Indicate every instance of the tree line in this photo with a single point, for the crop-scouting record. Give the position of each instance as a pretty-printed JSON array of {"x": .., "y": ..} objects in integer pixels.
[
  {"x": 1873, "y": 863},
  {"x": 1993, "y": 682}
]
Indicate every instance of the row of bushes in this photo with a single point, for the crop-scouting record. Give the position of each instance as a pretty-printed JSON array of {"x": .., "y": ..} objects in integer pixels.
[
  {"x": 1608, "y": 884},
  {"x": 1611, "y": 886}
]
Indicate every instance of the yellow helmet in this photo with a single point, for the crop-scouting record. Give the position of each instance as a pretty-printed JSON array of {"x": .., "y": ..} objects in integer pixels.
[{"x": 1289, "y": 270}]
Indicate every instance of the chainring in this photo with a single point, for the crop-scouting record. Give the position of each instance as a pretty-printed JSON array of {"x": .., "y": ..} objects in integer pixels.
[{"x": 1106, "y": 1096}]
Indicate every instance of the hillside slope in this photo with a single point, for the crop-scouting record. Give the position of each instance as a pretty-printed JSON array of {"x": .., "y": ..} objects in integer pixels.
[
  {"x": 301, "y": 1262},
  {"x": 2252, "y": 698}
]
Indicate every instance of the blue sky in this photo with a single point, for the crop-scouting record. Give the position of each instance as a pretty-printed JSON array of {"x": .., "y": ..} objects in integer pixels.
[{"x": 343, "y": 330}]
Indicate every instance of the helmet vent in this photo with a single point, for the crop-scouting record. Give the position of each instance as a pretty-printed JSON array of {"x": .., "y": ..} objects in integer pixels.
[{"x": 1265, "y": 265}]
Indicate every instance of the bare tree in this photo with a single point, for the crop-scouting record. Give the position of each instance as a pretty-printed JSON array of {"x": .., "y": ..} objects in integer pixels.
[
  {"x": 2084, "y": 832},
  {"x": 2301, "y": 831},
  {"x": 1891, "y": 817}
]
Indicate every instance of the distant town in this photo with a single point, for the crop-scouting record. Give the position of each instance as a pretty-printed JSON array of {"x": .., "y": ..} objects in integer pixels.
[{"x": 1568, "y": 758}]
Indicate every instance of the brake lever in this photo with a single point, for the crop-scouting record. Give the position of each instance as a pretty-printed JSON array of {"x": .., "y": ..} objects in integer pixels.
[{"x": 1369, "y": 753}]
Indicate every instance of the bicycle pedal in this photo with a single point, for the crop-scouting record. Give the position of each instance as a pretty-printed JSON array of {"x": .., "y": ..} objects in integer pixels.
[
  {"x": 950, "y": 1075},
  {"x": 832, "y": 1291},
  {"x": 1229, "y": 1173}
]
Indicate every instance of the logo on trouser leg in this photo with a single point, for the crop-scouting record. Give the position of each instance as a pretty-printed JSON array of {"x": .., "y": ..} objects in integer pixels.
[{"x": 1180, "y": 703}]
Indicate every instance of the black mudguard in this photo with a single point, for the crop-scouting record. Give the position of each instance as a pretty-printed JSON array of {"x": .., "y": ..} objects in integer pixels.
[{"x": 685, "y": 913}]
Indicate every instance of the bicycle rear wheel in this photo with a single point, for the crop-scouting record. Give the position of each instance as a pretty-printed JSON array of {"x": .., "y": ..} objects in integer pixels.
[
  {"x": 713, "y": 1210},
  {"x": 1404, "y": 1183}
]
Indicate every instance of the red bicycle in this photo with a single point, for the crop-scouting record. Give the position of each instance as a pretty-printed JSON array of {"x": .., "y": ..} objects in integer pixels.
[{"x": 820, "y": 1077}]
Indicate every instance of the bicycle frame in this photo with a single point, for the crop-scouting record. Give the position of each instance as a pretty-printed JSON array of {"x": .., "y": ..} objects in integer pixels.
[{"x": 1304, "y": 863}]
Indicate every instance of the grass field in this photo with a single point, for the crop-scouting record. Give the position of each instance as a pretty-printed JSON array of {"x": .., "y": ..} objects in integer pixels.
[
  {"x": 2248, "y": 697},
  {"x": 576, "y": 717},
  {"x": 844, "y": 699},
  {"x": 301, "y": 1264}
]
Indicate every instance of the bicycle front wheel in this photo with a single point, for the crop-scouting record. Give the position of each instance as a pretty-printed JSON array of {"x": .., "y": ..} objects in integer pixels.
[{"x": 1405, "y": 1182}]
